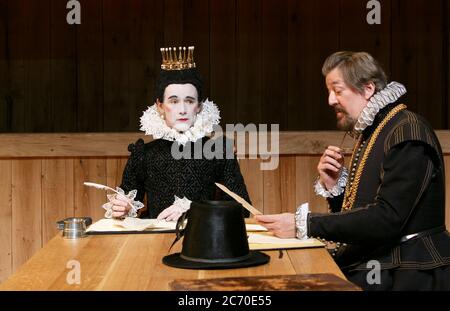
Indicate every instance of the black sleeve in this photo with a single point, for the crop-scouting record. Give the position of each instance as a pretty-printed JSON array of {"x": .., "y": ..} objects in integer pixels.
[
  {"x": 335, "y": 204},
  {"x": 405, "y": 174},
  {"x": 133, "y": 174},
  {"x": 231, "y": 177}
]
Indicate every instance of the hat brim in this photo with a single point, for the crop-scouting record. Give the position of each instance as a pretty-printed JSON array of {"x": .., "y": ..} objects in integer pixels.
[{"x": 256, "y": 258}]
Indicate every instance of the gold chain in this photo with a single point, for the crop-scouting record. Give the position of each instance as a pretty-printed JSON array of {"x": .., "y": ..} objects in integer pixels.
[{"x": 351, "y": 191}]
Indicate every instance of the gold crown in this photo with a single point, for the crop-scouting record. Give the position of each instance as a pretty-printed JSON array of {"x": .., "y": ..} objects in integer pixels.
[{"x": 184, "y": 60}]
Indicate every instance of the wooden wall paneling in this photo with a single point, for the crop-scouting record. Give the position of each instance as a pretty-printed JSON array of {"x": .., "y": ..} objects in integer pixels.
[
  {"x": 90, "y": 88},
  {"x": 196, "y": 31},
  {"x": 275, "y": 63},
  {"x": 17, "y": 16},
  {"x": 248, "y": 61},
  {"x": 63, "y": 70},
  {"x": 306, "y": 173},
  {"x": 26, "y": 210},
  {"x": 447, "y": 191},
  {"x": 5, "y": 102},
  {"x": 272, "y": 191},
  {"x": 355, "y": 34},
  {"x": 70, "y": 182},
  {"x": 254, "y": 181},
  {"x": 447, "y": 60},
  {"x": 88, "y": 200},
  {"x": 146, "y": 38},
  {"x": 57, "y": 188},
  {"x": 430, "y": 58},
  {"x": 38, "y": 110},
  {"x": 5, "y": 219},
  {"x": 312, "y": 36},
  {"x": 404, "y": 43},
  {"x": 116, "y": 74},
  {"x": 173, "y": 23},
  {"x": 223, "y": 58},
  {"x": 288, "y": 183}
]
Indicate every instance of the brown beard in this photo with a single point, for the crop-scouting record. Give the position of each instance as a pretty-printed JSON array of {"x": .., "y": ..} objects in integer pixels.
[{"x": 346, "y": 123}]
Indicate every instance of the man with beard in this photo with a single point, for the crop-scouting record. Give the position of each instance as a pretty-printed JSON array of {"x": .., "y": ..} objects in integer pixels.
[{"x": 388, "y": 209}]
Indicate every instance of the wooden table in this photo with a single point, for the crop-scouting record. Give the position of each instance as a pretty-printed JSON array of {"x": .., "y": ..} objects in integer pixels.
[{"x": 133, "y": 262}]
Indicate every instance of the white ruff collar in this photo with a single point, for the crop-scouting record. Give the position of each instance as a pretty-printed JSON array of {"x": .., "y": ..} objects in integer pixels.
[
  {"x": 378, "y": 101},
  {"x": 153, "y": 124}
]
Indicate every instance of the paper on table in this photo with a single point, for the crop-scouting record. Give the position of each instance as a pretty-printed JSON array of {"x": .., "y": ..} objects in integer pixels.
[
  {"x": 129, "y": 224},
  {"x": 267, "y": 241},
  {"x": 254, "y": 228}
]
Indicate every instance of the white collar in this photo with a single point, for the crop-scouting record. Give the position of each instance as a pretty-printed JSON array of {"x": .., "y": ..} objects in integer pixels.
[
  {"x": 206, "y": 119},
  {"x": 390, "y": 94}
]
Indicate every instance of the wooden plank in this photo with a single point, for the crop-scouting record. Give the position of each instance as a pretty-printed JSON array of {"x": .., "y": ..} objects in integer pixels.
[
  {"x": 88, "y": 200},
  {"x": 115, "y": 144},
  {"x": 253, "y": 177},
  {"x": 404, "y": 49},
  {"x": 355, "y": 34},
  {"x": 430, "y": 58},
  {"x": 116, "y": 64},
  {"x": 38, "y": 68},
  {"x": 54, "y": 192},
  {"x": 288, "y": 183},
  {"x": 248, "y": 61},
  {"x": 275, "y": 63},
  {"x": 223, "y": 58},
  {"x": 5, "y": 102},
  {"x": 90, "y": 83},
  {"x": 447, "y": 190},
  {"x": 312, "y": 36},
  {"x": 26, "y": 210},
  {"x": 306, "y": 174},
  {"x": 447, "y": 58},
  {"x": 63, "y": 70},
  {"x": 173, "y": 22},
  {"x": 5, "y": 219},
  {"x": 15, "y": 62},
  {"x": 146, "y": 37},
  {"x": 272, "y": 192},
  {"x": 197, "y": 33},
  {"x": 316, "y": 260},
  {"x": 69, "y": 194}
]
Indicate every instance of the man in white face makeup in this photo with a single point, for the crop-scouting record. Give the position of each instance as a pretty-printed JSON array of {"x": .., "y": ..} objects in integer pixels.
[
  {"x": 180, "y": 106},
  {"x": 181, "y": 116}
]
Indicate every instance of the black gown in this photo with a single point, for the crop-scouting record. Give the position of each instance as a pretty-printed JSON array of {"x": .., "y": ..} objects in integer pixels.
[{"x": 151, "y": 169}]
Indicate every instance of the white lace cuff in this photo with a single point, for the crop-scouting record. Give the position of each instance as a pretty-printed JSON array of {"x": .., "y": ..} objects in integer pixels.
[
  {"x": 301, "y": 221},
  {"x": 183, "y": 204},
  {"x": 135, "y": 205},
  {"x": 337, "y": 190}
]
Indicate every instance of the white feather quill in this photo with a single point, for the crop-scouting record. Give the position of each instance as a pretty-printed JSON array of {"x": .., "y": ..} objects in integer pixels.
[
  {"x": 103, "y": 187},
  {"x": 100, "y": 186}
]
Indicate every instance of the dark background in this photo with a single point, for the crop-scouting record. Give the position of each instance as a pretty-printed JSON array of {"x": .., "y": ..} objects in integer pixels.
[{"x": 261, "y": 59}]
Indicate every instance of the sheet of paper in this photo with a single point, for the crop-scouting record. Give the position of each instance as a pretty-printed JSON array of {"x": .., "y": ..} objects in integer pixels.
[
  {"x": 267, "y": 241},
  {"x": 254, "y": 228},
  {"x": 129, "y": 224}
]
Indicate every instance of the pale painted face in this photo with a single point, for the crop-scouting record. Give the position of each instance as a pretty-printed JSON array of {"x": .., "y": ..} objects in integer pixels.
[
  {"x": 347, "y": 103},
  {"x": 180, "y": 106}
]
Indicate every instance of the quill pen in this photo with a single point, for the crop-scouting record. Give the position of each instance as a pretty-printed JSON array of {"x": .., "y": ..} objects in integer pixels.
[{"x": 103, "y": 187}]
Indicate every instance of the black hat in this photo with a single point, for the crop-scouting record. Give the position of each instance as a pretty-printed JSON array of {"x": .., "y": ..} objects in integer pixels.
[{"x": 215, "y": 238}]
